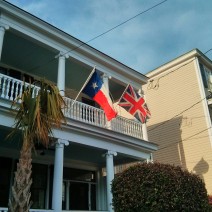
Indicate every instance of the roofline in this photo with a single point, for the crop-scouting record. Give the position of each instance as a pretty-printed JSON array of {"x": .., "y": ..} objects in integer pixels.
[
  {"x": 80, "y": 43},
  {"x": 178, "y": 60}
]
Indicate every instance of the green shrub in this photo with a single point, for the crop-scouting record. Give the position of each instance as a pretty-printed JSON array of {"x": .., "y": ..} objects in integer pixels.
[{"x": 158, "y": 187}]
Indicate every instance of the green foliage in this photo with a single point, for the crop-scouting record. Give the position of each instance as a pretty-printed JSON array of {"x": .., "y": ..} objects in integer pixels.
[
  {"x": 158, "y": 187},
  {"x": 38, "y": 114}
]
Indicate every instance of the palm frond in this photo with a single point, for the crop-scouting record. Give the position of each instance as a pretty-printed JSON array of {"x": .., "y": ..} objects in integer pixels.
[{"x": 37, "y": 116}]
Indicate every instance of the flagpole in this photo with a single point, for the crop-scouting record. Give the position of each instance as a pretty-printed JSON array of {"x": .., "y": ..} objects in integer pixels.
[
  {"x": 90, "y": 75},
  {"x": 123, "y": 93}
]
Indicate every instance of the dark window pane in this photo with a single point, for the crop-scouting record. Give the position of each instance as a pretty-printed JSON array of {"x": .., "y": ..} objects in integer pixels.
[
  {"x": 6, "y": 165},
  {"x": 39, "y": 183},
  {"x": 203, "y": 75}
]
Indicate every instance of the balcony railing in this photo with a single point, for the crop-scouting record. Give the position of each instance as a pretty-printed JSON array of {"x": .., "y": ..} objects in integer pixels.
[{"x": 10, "y": 88}]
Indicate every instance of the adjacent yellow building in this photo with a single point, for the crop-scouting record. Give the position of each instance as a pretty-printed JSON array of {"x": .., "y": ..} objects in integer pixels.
[{"x": 178, "y": 96}]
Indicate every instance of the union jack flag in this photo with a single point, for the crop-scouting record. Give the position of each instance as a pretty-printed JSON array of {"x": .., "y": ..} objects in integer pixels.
[{"x": 133, "y": 103}]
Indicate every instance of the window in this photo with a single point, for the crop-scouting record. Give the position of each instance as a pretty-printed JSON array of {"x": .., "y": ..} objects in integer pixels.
[
  {"x": 6, "y": 166},
  {"x": 206, "y": 76},
  {"x": 39, "y": 183}
]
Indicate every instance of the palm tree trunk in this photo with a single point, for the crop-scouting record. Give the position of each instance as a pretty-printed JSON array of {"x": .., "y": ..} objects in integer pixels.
[{"x": 20, "y": 195}]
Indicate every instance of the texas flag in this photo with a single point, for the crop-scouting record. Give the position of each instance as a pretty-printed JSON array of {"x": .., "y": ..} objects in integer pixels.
[
  {"x": 133, "y": 103},
  {"x": 96, "y": 90}
]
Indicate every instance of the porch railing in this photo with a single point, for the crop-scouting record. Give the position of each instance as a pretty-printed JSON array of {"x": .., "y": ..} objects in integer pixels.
[
  {"x": 31, "y": 210},
  {"x": 43, "y": 210},
  {"x": 10, "y": 88}
]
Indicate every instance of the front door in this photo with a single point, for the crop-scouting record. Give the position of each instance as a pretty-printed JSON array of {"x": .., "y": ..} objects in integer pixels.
[
  {"x": 78, "y": 198},
  {"x": 79, "y": 195}
]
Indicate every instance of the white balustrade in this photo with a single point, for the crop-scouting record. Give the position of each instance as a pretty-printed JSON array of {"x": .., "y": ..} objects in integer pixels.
[
  {"x": 11, "y": 88},
  {"x": 83, "y": 112},
  {"x": 127, "y": 126}
]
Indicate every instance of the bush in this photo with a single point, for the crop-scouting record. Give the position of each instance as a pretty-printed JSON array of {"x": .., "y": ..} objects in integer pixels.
[
  {"x": 158, "y": 187},
  {"x": 210, "y": 199}
]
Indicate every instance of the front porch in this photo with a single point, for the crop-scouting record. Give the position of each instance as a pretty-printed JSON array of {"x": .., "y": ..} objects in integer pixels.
[
  {"x": 85, "y": 142},
  {"x": 83, "y": 164}
]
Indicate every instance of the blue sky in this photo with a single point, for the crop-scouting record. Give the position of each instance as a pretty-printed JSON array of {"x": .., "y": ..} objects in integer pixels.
[{"x": 144, "y": 43}]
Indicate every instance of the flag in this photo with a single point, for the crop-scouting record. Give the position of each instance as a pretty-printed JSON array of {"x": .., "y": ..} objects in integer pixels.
[
  {"x": 133, "y": 103},
  {"x": 95, "y": 90}
]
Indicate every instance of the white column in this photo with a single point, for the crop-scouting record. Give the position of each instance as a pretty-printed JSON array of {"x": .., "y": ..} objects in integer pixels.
[
  {"x": 144, "y": 132},
  {"x": 58, "y": 175},
  {"x": 110, "y": 177},
  {"x": 2, "y": 32},
  {"x": 145, "y": 137},
  {"x": 105, "y": 78},
  {"x": 61, "y": 72}
]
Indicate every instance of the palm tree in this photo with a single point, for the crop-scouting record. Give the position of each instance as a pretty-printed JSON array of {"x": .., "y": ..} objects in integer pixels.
[{"x": 36, "y": 117}]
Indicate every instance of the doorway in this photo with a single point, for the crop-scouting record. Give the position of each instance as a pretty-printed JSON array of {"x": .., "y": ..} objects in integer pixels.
[{"x": 79, "y": 195}]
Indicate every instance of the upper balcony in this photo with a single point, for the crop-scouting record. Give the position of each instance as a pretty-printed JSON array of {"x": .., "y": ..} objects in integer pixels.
[
  {"x": 10, "y": 88},
  {"x": 33, "y": 49}
]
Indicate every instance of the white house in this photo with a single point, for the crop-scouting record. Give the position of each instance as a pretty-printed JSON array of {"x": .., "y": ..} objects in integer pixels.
[{"x": 69, "y": 174}]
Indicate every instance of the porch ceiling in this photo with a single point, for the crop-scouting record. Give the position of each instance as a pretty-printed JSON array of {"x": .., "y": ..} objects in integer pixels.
[
  {"x": 87, "y": 142},
  {"x": 72, "y": 152},
  {"x": 36, "y": 59},
  {"x": 92, "y": 155}
]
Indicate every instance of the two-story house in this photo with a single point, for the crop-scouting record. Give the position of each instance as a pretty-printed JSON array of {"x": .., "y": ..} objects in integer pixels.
[
  {"x": 70, "y": 174},
  {"x": 179, "y": 97}
]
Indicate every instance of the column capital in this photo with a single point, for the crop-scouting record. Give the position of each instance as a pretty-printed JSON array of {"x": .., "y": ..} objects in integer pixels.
[
  {"x": 62, "y": 141},
  {"x": 106, "y": 76},
  {"x": 141, "y": 92},
  {"x": 62, "y": 55},
  {"x": 4, "y": 27},
  {"x": 111, "y": 153}
]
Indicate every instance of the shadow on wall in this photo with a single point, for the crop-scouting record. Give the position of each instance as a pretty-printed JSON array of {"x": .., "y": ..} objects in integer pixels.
[
  {"x": 201, "y": 168},
  {"x": 168, "y": 136}
]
